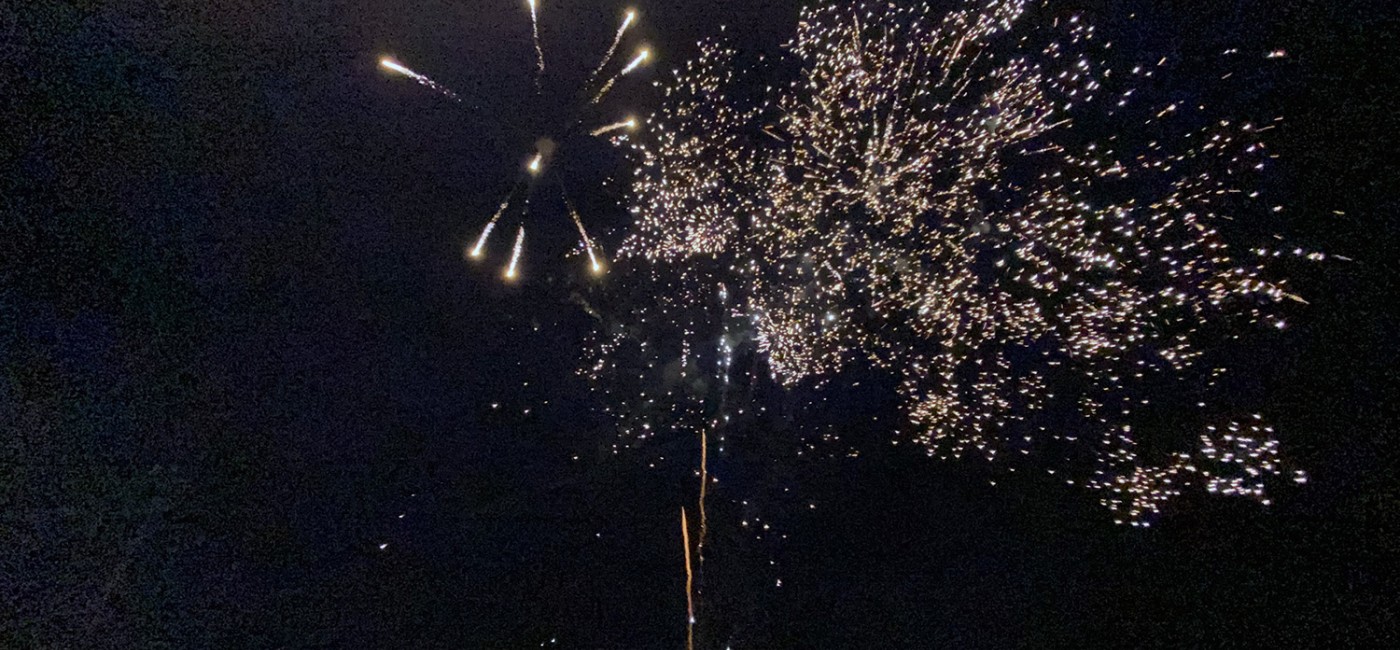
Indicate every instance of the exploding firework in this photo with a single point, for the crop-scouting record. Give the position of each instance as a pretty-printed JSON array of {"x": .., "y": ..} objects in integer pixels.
[
  {"x": 988, "y": 206},
  {"x": 516, "y": 204}
]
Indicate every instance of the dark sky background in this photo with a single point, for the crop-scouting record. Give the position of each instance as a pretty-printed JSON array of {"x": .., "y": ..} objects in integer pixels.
[{"x": 241, "y": 351}]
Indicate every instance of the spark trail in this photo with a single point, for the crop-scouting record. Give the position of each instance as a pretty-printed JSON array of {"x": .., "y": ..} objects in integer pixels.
[
  {"x": 608, "y": 128},
  {"x": 539, "y": 51},
  {"x": 547, "y": 143},
  {"x": 486, "y": 231},
  {"x": 583, "y": 236},
  {"x": 637, "y": 61},
  {"x": 515, "y": 253},
  {"x": 617, "y": 39},
  {"x": 396, "y": 67},
  {"x": 689, "y": 589}
]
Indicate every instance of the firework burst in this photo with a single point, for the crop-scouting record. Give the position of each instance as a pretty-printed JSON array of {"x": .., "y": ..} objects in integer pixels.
[
  {"x": 515, "y": 206},
  {"x": 988, "y": 206}
]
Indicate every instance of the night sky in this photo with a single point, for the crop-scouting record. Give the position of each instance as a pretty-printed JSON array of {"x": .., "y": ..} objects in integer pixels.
[{"x": 242, "y": 353}]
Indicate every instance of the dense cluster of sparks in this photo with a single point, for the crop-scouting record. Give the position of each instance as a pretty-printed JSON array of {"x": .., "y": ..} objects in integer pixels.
[
  {"x": 517, "y": 200},
  {"x": 982, "y": 203},
  {"x": 1234, "y": 462}
]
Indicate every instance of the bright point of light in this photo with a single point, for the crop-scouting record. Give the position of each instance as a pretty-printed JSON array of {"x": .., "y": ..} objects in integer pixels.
[
  {"x": 481, "y": 241},
  {"x": 515, "y": 254},
  {"x": 593, "y": 259},
  {"x": 641, "y": 58},
  {"x": 535, "y": 163},
  {"x": 390, "y": 64}
]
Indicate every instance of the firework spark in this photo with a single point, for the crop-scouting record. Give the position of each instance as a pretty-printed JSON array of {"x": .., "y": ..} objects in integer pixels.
[
  {"x": 486, "y": 232},
  {"x": 515, "y": 253},
  {"x": 612, "y": 48},
  {"x": 607, "y": 128},
  {"x": 637, "y": 61},
  {"x": 481, "y": 240},
  {"x": 642, "y": 56},
  {"x": 989, "y": 207},
  {"x": 704, "y": 479},
  {"x": 583, "y": 237},
  {"x": 399, "y": 68},
  {"x": 536, "y": 165},
  {"x": 539, "y": 51}
]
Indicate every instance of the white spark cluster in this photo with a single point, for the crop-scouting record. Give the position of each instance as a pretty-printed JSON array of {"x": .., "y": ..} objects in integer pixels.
[{"x": 988, "y": 206}]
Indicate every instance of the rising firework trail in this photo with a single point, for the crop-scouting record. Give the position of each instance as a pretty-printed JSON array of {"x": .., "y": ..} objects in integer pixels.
[{"x": 689, "y": 587}]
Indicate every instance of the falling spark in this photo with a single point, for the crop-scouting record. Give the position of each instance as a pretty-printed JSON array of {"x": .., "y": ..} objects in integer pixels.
[
  {"x": 486, "y": 232},
  {"x": 583, "y": 236},
  {"x": 391, "y": 64},
  {"x": 641, "y": 58},
  {"x": 604, "y": 90},
  {"x": 535, "y": 162},
  {"x": 617, "y": 38},
  {"x": 625, "y": 124},
  {"x": 539, "y": 51},
  {"x": 515, "y": 253},
  {"x": 394, "y": 66},
  {"x": 481, "y": 240}
]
